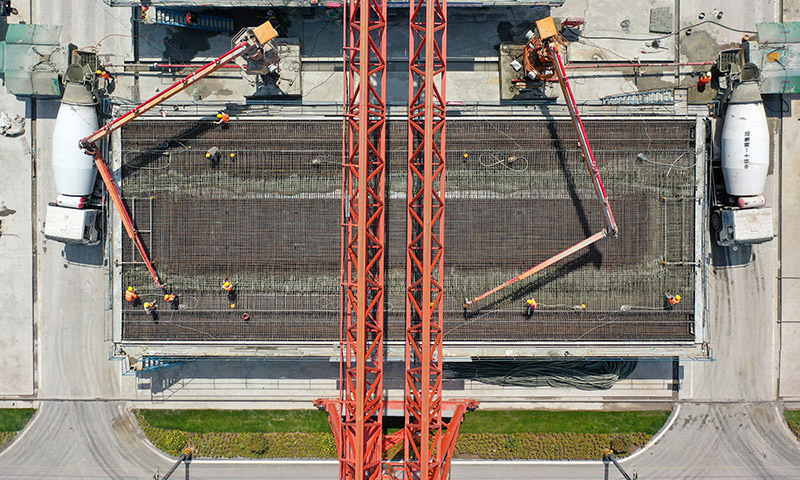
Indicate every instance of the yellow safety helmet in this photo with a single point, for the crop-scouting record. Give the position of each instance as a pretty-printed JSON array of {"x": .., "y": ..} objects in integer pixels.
[
  {"x": 226, "y": 284},
  {"x": 219, "y": 115},
  {"x": 678, "y": 298},
  {"x": 130, "y": 289},
  {"x": 233, "y": 305},
  {"x": 166, "y": 297},
  {"x": 146, "y": 305}
]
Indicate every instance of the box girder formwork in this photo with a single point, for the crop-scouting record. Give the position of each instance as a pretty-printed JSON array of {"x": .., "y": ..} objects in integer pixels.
[{"x": 202, "y": 223}]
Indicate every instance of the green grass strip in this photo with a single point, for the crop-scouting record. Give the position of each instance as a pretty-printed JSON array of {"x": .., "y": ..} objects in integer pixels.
[
  {"x": 588, "y": 422},
  {"x": 515, "y": 434},
  {"x": 14, "y": 419},
  {"x": 793, "y": 419},
  {"x": 239, "y": 421}
]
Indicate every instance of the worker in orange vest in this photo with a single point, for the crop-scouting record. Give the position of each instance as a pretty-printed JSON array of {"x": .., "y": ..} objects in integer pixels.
[
  {"x": 223, "y": 118},
  {"x": 227, "y": 285},
  {"x": 130, "y": 295},
  {"x": 103, "y": 74},
  {"x": 191, "y": 18},
  {"x": 704, "y": 80},
  {"x": 149, "y": 307},
  {"x": 171, "y": 299},
  {"x": 531, "y": 306},
  {"x": 672, "y": 300}
]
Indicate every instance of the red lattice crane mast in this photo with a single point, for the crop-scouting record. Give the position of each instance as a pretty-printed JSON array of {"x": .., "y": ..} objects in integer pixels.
[
  {"x": 429, "y": 439},
  {"x": 357, "y": 416}
]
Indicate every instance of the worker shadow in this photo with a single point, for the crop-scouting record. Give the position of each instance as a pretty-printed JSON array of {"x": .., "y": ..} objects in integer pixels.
[{"x": 144, "y": 158}]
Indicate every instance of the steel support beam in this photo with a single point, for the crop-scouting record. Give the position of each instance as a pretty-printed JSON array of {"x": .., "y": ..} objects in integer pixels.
[
  {"x": 360, "y": 439},
  {"x": 424, "y": 455}
]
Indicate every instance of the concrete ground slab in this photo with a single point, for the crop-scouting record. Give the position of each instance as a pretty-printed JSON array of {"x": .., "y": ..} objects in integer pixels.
[
  {"x": 789, "y": 281},
  {"x": 16, "y": 266},
  {"x": 16, "y": 302},
  {"x": 789, "y": 387}
]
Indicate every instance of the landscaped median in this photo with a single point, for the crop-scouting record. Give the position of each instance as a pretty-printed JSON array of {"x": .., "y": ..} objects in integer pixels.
[
  {"x": 495, "y": 435},
  {"x": 793, "y": 419},
  {"x": 12, "y": 420}
]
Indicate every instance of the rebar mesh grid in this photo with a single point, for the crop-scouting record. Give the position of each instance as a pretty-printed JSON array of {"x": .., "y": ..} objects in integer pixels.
[{"x": 517, "y": 193}]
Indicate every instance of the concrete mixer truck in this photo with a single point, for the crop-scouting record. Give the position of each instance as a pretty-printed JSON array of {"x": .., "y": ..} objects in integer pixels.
[
  {"x": 74, "y": 217},
  {"x": 739, "y": 215}
]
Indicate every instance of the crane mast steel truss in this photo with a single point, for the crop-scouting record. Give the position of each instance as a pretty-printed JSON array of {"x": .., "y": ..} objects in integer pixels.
[
  {"x": 428, "y": 442},
  {"x": 364, "y": 230},
  {"x": 357, "y": 417}
]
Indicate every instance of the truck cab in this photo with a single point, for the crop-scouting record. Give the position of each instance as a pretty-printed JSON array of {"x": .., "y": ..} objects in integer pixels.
[
  {"x": 734, "y": 227},
  {"x": 71, "y": 225}
]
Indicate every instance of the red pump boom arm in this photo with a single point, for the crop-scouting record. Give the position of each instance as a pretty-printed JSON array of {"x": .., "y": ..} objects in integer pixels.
[{"x": 249, "y": 43}]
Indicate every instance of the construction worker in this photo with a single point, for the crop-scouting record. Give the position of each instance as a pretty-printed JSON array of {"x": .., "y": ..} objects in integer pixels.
[
  {"x": 223, "y": 118},
  {"x": 704, "y": 80},
  {"x": 531, "y": 305},
  {"x": 227, "y": 285},
  {"x": 213, "y": 155},
  {"x": 171, "y": 299},
  {"x": 671, "y": 301},
  {"x": 149, "y": 308},
  {"x": 103, "y": 74},
  {"x": 191, "y": 18},
  {"x": 130, "y": 295}
]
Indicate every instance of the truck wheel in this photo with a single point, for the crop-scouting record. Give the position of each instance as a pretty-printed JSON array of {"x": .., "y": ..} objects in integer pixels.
[{"x": 716, "y": 222}]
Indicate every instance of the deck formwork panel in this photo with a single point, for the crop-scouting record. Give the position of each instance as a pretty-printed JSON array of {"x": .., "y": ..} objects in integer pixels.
[{"x": 517, "y": 193}]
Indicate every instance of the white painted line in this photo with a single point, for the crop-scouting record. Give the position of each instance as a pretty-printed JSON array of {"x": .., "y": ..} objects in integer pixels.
[{"x": 527, "y": 462}]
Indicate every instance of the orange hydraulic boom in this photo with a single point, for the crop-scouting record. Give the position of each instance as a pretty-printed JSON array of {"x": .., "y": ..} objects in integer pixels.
[
  {"x": 249, "y": 43},
  {"x": 542, "y": 56}
]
